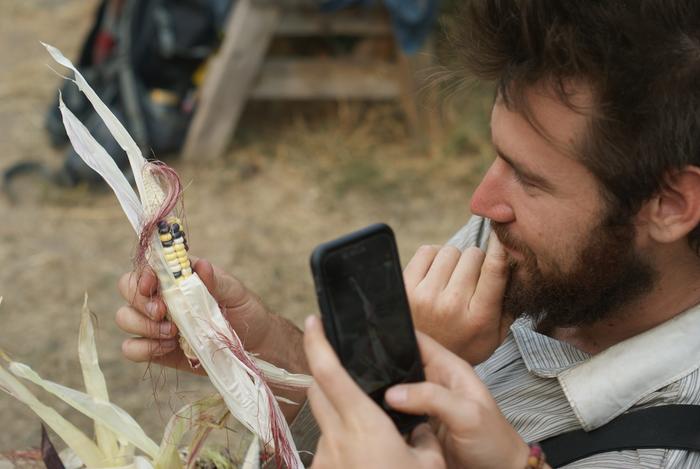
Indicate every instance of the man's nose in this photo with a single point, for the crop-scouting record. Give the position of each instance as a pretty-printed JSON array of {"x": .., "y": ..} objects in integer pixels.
[{"x": 491, "y": 197}]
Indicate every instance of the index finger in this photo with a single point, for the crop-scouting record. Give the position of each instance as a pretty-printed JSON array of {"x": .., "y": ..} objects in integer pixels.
[
  {"x": 442, "y": 366},
  {"x": 337, "y": 385},
  {"x": 419, "y": 265},
  {"x": 144, "y": 283},
  {"x": 487, "y": 301},
  {"x": 139, "y": 290}
]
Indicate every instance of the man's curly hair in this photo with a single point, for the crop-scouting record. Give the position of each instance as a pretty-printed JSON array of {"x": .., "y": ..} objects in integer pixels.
[{"x": 641, "y": 60}]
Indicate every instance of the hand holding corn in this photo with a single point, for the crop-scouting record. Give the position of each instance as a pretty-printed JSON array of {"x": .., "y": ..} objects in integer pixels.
[{"x": 269, "y": 336}]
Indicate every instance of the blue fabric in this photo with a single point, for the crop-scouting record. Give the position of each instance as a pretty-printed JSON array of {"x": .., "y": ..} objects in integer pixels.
[{"x": 413, "y": 19}]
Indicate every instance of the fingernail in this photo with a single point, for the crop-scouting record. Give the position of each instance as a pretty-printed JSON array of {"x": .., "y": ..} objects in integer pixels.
[
  {"x": 397, "y": 395},
  {"x": 166, "y": 329},
  {"x": 151, "y": 309},
  {"x": 495, "y": 242},
  {"x": 165, "y": 347},
  {"x": 310, "y": 322}
]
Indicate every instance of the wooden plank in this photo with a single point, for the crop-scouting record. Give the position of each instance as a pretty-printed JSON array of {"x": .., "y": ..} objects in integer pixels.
[
  {"x": 343, "y": 23},
  {"x": 326, "y": 79},
  {"x": 231, "y": 74}
]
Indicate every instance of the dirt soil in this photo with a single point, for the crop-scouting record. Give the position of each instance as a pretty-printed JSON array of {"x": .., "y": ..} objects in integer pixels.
[{"x": 295, "y": 176}]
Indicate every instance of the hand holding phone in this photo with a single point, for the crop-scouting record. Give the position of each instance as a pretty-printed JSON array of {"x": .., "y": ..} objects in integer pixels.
[{"x": 366, "y": 315}]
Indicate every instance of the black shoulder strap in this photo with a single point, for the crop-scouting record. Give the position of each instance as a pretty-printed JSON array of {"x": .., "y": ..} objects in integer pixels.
[{"x": 669, "y": 427}]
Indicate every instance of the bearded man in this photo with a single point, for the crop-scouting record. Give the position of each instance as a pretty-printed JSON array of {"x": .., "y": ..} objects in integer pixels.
[{"x": 585, "y": 306}]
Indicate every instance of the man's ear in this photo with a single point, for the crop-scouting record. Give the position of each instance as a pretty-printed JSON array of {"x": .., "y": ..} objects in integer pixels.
[{"x": 675, "y": 210}]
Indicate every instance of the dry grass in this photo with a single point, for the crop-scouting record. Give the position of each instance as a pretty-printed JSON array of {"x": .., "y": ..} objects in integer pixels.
[{"x": 291, "y": 181}]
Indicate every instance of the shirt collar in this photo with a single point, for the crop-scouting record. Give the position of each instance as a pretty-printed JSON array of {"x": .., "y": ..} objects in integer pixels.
[
  {"x": 601, "y": 387},
  {"x": 544, "y": 356}
]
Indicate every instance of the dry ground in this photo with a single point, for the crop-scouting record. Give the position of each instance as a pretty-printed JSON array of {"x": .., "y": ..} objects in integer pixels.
[{"x": 287, "y": 184}]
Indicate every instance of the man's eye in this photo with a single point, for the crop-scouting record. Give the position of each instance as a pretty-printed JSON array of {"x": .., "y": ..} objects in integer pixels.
[{"x": 523, "y": 181}]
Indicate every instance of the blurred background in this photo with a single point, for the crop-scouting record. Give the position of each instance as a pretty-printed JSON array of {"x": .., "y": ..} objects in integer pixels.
[{"x": 302, "y": 163}]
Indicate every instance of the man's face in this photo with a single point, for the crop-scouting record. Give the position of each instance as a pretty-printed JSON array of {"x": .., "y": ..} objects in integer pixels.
[{"x": 573, "y": 261}]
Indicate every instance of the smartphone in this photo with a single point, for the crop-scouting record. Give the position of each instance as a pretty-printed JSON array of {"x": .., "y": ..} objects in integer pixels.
[{"x": 365, "y": 313}]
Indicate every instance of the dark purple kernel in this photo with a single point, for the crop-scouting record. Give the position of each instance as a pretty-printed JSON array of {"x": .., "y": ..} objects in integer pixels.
[
  {"x": 163, "y": 227},
  {"x": 177, "y": 274},
  {"x": 167, "y": 244}
]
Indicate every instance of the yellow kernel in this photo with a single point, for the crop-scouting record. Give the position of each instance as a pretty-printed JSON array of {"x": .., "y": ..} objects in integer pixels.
[
  {"x": 170, "y": 257},
  {"x": 166, "y": 237}
]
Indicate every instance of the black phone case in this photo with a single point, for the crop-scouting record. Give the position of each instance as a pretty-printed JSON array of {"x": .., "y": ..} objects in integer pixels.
[
  {"x": 408, "y": 423},
  {"x": 316, "y": 262}
]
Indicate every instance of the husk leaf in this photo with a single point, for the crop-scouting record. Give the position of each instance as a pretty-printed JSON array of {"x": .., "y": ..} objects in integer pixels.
[
  {"x": 84, "y": 447},
  {"x": 109, "y": 415},
  {"x": 95, "y": 384}
]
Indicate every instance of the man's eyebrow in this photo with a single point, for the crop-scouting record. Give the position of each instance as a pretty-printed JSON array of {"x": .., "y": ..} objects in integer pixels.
[{"x": 523, "y": 172}]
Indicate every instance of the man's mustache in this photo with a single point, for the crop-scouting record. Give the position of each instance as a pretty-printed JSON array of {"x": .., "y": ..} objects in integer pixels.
[{"x": 507, "y": 239}]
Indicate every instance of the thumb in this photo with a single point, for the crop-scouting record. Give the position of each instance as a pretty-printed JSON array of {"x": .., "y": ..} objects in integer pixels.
[
  {"x": 227, "y": 290},
  {"x": 205, "y": 271},
  {"x": 457, "y": 409},
  {"x": 427, "y": 446},
  {"x": 425, "y": 398}
]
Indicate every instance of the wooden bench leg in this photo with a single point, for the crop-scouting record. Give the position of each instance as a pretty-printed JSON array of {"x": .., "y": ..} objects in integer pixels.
[
  {"x": 230, "y": 77},
  {"x": 408, "y": 94},
  {"x": 418, "y": 97}
]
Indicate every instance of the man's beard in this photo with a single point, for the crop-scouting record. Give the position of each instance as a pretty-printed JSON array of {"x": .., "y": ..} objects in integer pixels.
[{"x": 607, "y": 273}]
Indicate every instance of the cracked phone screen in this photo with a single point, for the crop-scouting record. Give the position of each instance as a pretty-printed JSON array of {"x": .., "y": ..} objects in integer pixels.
[{"x": 372, "y": 319}]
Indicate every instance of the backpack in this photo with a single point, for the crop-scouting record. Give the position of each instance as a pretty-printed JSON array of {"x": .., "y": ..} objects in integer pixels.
[{"x": 143, "y": 58}]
